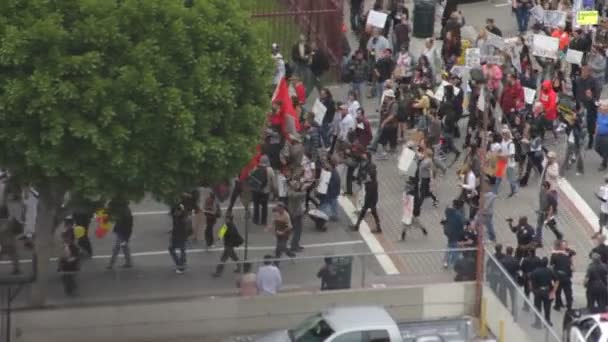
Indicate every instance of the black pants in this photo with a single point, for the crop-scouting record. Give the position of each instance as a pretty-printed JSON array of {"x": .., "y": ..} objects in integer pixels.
[
  {"x": 565, "y": 286},
  {"x": 504, "y": 287},
  {"x": 597, "y": 299},
  {"x": 228, "y": 253},
  {"x": 180, "y": 261},
  {"x": 85, "y": 243},
  {"x": 527, "y": 291},
  {"x": 210, "y": 219},
  {"x": 350, "y": 172},
  {"x": 69, "y": 283},
  {"x": 425, "y": 190},
  {"x": 310, "y": 198},
  {"x": 534, "y": 161},
  {"x": 260, "y": 207},
  {"x": 281, "y": 247},
  {"x": 374, "y": 211},
  {"x": 590, "y": 132},
  {"x": 542, "y": 302}
]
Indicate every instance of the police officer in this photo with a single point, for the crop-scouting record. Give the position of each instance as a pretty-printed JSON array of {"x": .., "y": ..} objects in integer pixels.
[
  {"x": 468, "y": 239},
  {"x": 544, "y": 284},
  {"x": 511, "y": 266},
  {"x": 529, "y": 263},
  {"x": 525, "y": 236},
  {"x": 561, "y": 262},
  {"x": 600, "y": 248},
  {"x": 596, "y": 282}
]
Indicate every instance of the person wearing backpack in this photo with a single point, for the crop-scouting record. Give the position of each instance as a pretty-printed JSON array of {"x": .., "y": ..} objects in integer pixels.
[
  {"x": 232, "y": 239},
  {"x": 261, "y": 182}
]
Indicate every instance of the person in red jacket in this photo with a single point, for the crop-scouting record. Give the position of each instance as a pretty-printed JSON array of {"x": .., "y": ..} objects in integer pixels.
[
  {"x": 512, "y": 98},
  {"x": 548, "y": 98}
]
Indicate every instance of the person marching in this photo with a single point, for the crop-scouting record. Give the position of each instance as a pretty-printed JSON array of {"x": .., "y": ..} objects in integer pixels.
[
  {"x": 543, "y": 283},
  {"x": 371, "y": 200},
  {"x": 232, "y": 239}
]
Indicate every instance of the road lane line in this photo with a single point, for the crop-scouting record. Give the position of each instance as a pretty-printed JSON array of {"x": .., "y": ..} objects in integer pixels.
[
  {"x": 166, "y": 212},
  {"x": 215, "y": 249},
  {"x": 372, "y": 243},
  {"x": 580, "y": 204}
]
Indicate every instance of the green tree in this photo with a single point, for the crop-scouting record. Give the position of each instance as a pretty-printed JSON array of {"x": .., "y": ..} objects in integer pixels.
[{"x": 125, "y": 97}]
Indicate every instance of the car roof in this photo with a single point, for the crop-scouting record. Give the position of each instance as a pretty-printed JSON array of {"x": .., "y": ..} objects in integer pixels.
[
  {"x": 602, "y": 320},
  {"x": 347, "y": 318}
]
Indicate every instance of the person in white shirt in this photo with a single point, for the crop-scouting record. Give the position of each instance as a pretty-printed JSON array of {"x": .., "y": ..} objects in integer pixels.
[
  {"x": 551, "y": 169},
  {"x": 269, "y": 278},
  {"x": 353, "y": 103},
  {"x": 347, "y": 124},
  {"x": 507, "y": 151},
  {"x": 280, "y": 64},
  {"x": 602, "y": 195}
]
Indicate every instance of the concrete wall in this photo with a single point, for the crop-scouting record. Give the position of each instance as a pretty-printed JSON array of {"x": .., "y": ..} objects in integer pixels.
[
  {"x": 498, "y": 312},
  {"x": 205, "y": 317}
]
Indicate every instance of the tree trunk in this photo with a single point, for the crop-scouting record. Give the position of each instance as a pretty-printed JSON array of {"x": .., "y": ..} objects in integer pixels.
[{"x": 50, "y": 201}]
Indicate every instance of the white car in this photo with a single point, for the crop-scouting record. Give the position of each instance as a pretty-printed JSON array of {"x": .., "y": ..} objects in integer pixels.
[{"x": 587, "y": 328}]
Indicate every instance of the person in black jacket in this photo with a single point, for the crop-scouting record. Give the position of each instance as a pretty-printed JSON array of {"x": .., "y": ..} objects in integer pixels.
[
  {"x": 596, "y": 281},
  {"x": 232, "y": 239},
  {"x": 179, "y": 235},
  {"x": 561, "y": 261},
  {"x": 123, "y": 228},
  {"x": 511, "y": 266},
  {"x": 371, "y": 199},
  {"x": 69, "y": 264},
  {"x": 327, "y": 100},
  {"x": 319, "y": 64}
]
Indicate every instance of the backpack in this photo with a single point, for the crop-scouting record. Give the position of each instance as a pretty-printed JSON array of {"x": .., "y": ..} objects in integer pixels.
[{"x": 258, "y": 179}]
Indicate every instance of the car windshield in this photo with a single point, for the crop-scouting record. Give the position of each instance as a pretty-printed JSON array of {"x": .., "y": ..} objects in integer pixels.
[{"x": 313, "y": 329}]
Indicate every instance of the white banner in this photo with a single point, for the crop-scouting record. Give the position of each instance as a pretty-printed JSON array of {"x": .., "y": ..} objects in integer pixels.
[
  {"x": 545, "y": 46},
  {"x": 554, "y": 18},
  {"x": 538, "y": 13},
  {"x": 574, "y": 56},
  {"x": 495, "y": 40},
  {"x": 529, "y": 95},
  {"x": 319, "y": 109},
  {"x": 472, "y": 58},
  {"x": 323, "y": 182}
]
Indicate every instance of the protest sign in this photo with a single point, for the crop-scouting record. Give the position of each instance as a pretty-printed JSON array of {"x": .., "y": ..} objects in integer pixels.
[
  {"x": 319, "y": 110},
  {"x": 587, "y": 17},
  {"x": 529, "y": 94},
  {"x": 405, "y": 162},
  {"x": 460, "y": 70},
  {"x": 472, "y": 58},
  {"x": 324, "y": 182},
  {"x": 376, "y": 19},
  {"x": 493, "y": 59},
  {"x": 574, "y": 56},
  {"x": 439, "y": 93},
  {"x": 545, "y": 46},
  {"x": 481, "y": 101},
  {"x": 513, "y": 49},
  {"x": 495, "y": 40},
  {"x": 538, "y": 13},
  {"x": 469, "y": 33},
  {"x": 554, "y": 18}
]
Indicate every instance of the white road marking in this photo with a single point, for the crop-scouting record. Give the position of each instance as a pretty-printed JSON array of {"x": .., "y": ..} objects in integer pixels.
[
  {"x": 580, "y": 204},
  {"x": 375, "y": 247},
  {"x": 503, "y": 5},
  {"x": 215, "y": 249}
]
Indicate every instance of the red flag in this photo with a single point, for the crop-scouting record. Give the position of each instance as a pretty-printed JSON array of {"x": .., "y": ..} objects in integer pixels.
[
  {"x": 252, "y": 163},
  {"x": 281, "y": 93}
]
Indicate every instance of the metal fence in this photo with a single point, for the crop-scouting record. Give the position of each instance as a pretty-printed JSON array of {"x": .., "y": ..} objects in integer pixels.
[
  {"x": 319, "y": 20},
  {"x": 513, "y": 298}
]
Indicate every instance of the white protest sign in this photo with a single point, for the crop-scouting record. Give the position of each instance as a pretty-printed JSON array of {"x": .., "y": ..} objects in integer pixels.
[
  {"x": 554, "y": 18},
  {"x": 376, "y": 19},
  {"x": 513, "y": 49},
  {"x": 468, "y": 32},
  {"x": 545, "y": 46},
  {"x": 529, "y": 94},
  {"x": 538, "y": 13},
  {"x": 319, "y": 110},
  {"x": 472, "y": 57},
  {"x": 481, "y": 101},
  {"x": 493, "y": 59},
  {"x": 460, "y": 70},
  {"x": 405, "y": 162},
  {"x": 574, "y": 56},
  {"x": 323, "y": 182},
  {"x": 440, "y": 92},
  {"x": 495, "y": 40}
]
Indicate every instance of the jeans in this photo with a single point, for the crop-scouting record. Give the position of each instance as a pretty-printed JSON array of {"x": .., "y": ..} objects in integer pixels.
[
  {"x": 511, "y": 177},
  {"x": 358, "y": 88},
  {"x": 379, "y": 89},
  {"x": 121, "y": 243},
  {"x": 330, "y": 207},
  {"x": 488, "y": 221},
  {"x": 523, "y": 16},
  {"x": 325, "y": 133},
  {"x": 451, "y": 255},
  {"x": 180, "y": 261},
  {"x": 573, "y": 151}
]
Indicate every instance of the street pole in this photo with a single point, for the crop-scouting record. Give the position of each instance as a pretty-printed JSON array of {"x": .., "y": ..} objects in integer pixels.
[
  {"x": 246, "y": 232},
  {"x": 484, "y": 188}
]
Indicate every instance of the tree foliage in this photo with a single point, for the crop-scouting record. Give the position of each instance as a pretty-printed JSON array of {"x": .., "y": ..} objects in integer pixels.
[{"x": 128, "y": 96}]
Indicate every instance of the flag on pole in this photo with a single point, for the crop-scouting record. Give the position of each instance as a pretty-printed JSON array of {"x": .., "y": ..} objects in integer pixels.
[{"x": 290, "y": 122}]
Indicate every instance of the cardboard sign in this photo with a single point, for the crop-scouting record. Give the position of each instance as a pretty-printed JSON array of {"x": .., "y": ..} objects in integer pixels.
[
  {"x": 554, "y": 18},
  {"x": 495, "y": 40},
  {"x": 587, "y": 17},
  {"x": 529, "y": 95},
  {"x": 405, "y": 163},
  {"x": 472, "y": 58},
  {"x": 574, "y": 56},
  {"x": 319, "y": 109},
  {"x": 545, "y": 46},
  {"x": 376, "y": 19}
]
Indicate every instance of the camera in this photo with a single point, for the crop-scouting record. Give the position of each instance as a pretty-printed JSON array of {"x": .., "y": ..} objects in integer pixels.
[{"x": 509, "y": 220}]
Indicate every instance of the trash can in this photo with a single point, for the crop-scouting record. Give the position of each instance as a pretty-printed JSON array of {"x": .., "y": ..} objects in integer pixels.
[{"x": 424, "y": 18}]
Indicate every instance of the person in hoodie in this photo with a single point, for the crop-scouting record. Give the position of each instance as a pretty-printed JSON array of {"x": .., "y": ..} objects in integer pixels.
[
  {"x": 548, "y": 98},
  {"x": 512, "y": 98}
]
